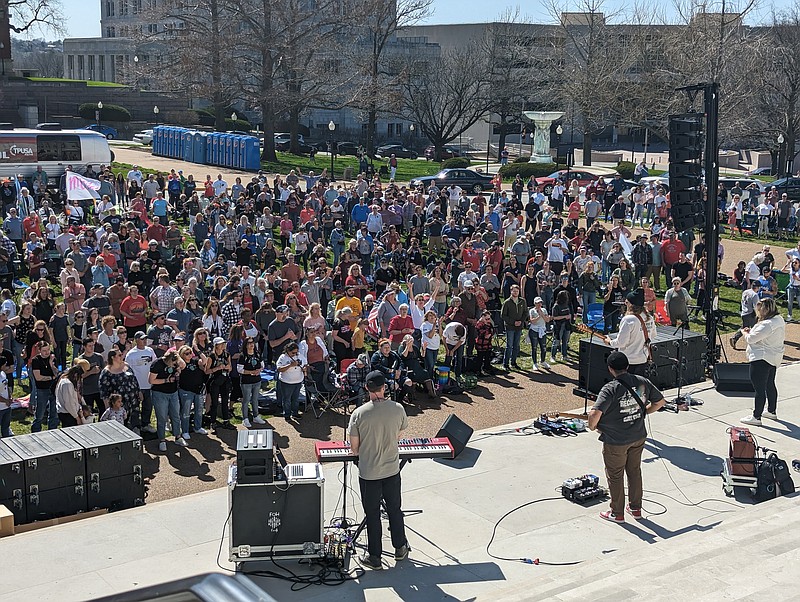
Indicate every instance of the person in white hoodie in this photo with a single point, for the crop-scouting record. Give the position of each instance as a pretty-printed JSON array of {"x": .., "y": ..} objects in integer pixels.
[{"x": 765, "y": 353}]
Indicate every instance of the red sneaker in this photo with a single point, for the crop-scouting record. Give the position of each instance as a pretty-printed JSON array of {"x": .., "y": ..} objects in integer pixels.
[
  {"x": 637, "y": 514},
  {"x": 610, "y": 516}
]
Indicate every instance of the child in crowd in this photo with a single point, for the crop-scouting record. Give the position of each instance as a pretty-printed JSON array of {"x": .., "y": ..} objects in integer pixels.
[{"x": 115, "y": 411}]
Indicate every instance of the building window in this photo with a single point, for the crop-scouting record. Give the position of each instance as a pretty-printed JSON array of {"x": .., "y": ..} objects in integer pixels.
[
  {"x": 101, "y": 65},
  {"x": 71, "y": 66},
  {"x": 136, "y": 6},
  {"x": 91, "y": 66},
  {"x": 152, "y": 28},
  {"x": 111, "y": 32},
  {"x": 398, "y": 129},
  {"x": 81, "y": 67},
  {"x": 123, "y": 7},
  {"x": 109, "y": 8}
]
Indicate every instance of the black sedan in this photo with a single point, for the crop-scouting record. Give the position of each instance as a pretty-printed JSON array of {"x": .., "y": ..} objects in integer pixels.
[
  {"x": 790, "y": 186},
  {"x": 347, "y": 148},
  {"x": 401, "y": 152},
  {"x": 467, "y": 179}
]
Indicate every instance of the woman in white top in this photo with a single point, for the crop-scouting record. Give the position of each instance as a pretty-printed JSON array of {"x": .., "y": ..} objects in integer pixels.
[
  {"x": 290, "y": 379},
  {"x": 420, "y": 307},
  {"x": 431, "y": 341},
  {"x": 765, "y": 353},
  {"x": 636, "y": 329},
  {"x": 537, "y": 332}
]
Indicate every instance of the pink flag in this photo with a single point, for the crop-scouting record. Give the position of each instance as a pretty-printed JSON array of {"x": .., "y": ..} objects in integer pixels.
[{"x": 80, "y": 188}]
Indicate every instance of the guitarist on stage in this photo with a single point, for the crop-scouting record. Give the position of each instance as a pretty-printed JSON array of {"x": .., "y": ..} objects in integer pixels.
[{"x": 636, "y": 329}]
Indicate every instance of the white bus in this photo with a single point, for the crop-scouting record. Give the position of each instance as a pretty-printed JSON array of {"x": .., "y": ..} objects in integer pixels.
[{"x": 23, "y": 150}]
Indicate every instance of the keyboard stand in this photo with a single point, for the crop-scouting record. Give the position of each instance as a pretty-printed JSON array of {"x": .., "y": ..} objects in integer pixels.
[{"x": 363, "y": 523}]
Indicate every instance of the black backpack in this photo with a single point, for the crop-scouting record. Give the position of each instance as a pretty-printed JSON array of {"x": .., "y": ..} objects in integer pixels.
[{"x": 772, "y": 479}]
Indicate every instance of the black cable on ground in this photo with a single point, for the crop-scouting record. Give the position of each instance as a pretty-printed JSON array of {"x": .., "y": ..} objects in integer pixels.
[{"x": 525, "y": 560}]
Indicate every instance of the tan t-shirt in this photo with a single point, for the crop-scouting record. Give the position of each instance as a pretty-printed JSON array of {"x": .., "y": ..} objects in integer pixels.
[{"x": 377, "y": 424}]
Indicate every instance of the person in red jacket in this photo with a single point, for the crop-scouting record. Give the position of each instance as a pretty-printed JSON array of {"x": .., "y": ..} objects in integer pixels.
[
  {"x": 671, "y": 251},
  {"x": 400, "y": 325}
]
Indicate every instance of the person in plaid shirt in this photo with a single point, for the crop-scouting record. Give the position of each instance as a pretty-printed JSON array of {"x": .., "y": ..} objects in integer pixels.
[
  {"x": 356, "y": 377},
  {"x": 484, "y": 332}
]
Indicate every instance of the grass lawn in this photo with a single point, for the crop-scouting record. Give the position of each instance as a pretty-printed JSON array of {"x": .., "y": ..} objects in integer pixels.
[{"x": 89, "y": 82}]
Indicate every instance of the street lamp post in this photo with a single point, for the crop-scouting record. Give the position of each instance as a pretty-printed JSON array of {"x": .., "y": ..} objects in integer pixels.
[
  {"x": 559, "y": 131},
  {"x": 331, "y": 129},
  {"x": 155, "y": 112},
  {"x": 97, "y": 114},
  {"x": 234, "y": 118},
  {"x": 780, "y": 161},
  {"x": 411, "y": 129}
]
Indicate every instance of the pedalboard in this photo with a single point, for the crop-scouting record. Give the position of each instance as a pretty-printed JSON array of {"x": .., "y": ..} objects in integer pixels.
[
  {"x": 582, "y": 489},
  {"x": 562, "y": 427}
]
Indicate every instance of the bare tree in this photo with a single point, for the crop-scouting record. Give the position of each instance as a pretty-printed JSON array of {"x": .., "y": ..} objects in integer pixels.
[
  {"x": 196, "y": 41},
  {"x": 776, "y": 96},
  {"x": 514, "y": 71},
  {"x": 369, "y": 54},
  {"x": 442, "y": 100},
  {"x": 595, "y": 58},
  {"x": 25, "y": 15}
]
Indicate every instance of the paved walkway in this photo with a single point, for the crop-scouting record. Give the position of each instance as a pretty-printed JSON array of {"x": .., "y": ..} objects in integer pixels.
[{"x": 709, "y": 550}]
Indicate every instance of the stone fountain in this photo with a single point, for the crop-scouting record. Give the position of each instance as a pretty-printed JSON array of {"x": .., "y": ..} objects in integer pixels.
[{"x": 541, "y": 138}]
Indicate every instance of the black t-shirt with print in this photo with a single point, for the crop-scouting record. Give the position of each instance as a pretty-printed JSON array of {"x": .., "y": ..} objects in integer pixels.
[
  {"x": 192, "y": 377},
  {"x": 162, "y": 371},
  {"x": 42, "y": 364},
  {"x": 250, "y": 362}
]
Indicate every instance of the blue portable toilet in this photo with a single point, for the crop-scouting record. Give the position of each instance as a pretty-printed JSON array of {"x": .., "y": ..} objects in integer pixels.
[
  {"x": 237, "y": 143},
  {"x": 212, "y": 141},
  {"x": 219, "y": 149},
  {"x": 252, "y": 154},
  {"x": 170, "y": 141},
  {"x": 188, "y": 145},
  {"x": 229, "y": 150},
  {"x": 158, "y": 137},
  {"x": 199, "y": 147},
  {"x": 179, "y": 140}
]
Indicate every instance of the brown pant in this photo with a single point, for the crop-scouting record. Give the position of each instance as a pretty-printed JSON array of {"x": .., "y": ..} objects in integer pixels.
[{"x": 623, "y": 460}]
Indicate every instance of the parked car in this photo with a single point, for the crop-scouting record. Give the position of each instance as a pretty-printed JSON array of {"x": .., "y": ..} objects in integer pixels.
[
  {"x": 144, "y": 137},
  {"x": 467, "y": 179},
  {"x": 399, "y": 151},
  {"x": 448, "y": 152},
  {"x": 761, "y": 171},
  {"x": 347, "y": 148},
  {"x": 584, "y": 178},
  {"x": 107, "y": 131},
  {"x": 790, "y": 186}
]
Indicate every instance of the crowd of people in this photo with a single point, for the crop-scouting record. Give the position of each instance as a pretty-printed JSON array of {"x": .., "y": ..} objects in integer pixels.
[{"x": 171, "y": 296}]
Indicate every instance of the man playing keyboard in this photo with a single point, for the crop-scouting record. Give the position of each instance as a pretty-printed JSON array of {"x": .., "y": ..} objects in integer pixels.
[{"x": 374, "y": 431}]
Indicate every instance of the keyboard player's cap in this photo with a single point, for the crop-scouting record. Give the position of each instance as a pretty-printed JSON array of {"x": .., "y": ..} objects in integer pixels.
[{"x": 375, "y": 381}]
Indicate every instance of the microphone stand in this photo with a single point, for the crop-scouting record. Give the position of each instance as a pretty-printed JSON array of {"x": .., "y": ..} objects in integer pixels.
[
  {"x": 589, "y": 362},
  {"x": 680, "y": 399}
]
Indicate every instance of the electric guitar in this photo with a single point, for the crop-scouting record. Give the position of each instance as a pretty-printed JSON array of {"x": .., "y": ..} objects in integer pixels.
[{"x": 591, "y": 331}]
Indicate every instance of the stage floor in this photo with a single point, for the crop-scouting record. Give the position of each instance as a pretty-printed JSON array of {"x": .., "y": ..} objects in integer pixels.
[{"x": 461, "y": 501}]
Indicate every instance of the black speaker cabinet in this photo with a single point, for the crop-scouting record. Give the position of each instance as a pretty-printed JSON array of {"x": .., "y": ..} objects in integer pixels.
[
  {"x": 113, "y": 464},
  {"x": 12, "y": 484},
  {"x": 255, "y": 456},
  {"x": 55, "y": 470},
  {"x": 729, "y": 377},
  {"x": 457, "y": 432},
  {"x": 280, "y": 519}
]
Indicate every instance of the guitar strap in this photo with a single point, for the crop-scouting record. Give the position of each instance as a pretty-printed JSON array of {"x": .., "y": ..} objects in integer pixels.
[
  {"x": 635, "y": 395},
  {"x": 646, "y": 339}
]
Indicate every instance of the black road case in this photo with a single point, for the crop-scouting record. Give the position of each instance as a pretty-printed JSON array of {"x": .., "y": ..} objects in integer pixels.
[
  {"x": 281, "y": 520},
  {"x": 113, "y": 464},
  {"x": 12, "y": 484},
  {"x": 54, "y": 469}
]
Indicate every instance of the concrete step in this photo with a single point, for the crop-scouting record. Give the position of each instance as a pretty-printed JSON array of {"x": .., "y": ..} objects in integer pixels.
[{"x": 718, "y": 562}]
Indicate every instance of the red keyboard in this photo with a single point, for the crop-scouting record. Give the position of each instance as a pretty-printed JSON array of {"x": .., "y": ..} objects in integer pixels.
[{"x": 410, "y": 449}]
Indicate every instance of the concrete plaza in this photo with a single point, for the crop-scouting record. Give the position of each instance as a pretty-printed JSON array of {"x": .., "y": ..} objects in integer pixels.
[{"x": 720, "y": 548}]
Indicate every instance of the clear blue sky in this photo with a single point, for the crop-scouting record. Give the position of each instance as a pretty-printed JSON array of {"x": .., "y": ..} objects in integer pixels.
[{"x": 83, "y": 16}]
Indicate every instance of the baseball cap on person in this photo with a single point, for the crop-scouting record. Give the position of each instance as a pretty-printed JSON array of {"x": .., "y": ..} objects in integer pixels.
[
  {"x": 538, "y": 300},
  {"x": 139, "y": 335},
  {"x": 362, "y": 359},
  {"x": 469, "y": 284},
  {"x": 617, "y": 361},
  {"x": 636, "y": 297},
  {"x": 375, "y": 381},
  {"x": 282, "y": 308},
  {"x": 219, "y": 341}
]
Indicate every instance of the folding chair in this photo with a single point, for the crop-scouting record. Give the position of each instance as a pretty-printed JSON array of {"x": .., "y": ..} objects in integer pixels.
[{"x": 322, "y": 400}]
